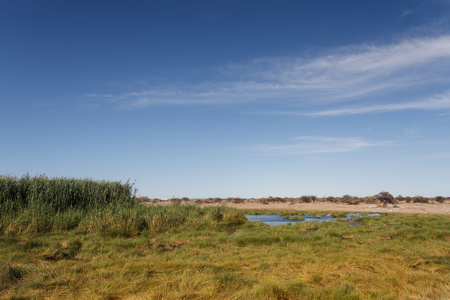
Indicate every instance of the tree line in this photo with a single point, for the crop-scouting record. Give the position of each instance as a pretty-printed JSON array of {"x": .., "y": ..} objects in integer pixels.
[{"x": 383, "y": 198}]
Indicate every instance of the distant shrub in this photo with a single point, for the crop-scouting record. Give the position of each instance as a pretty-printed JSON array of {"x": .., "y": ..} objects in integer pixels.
[
  {"x": 352, "y": 200},
  {"x": 420, "y": 199},
  {"x": 238, "y": 200},
  {"x": 439, "y": 199},
  {"x": 330, "y": 199},
  {"x": 308, "y": 199},
  {"x": 370, "y": 200},
  {"x": 274, "y": 199},
  {"x": 282, "y": 200},
  {"x": 337, "y": 200},
  {"x": 385, "y": 198}
]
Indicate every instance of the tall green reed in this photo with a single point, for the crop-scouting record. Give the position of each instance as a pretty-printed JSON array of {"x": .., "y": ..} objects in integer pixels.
[
  {"x": 40, "y": 204},
  {"x": 60, "y": 194}
]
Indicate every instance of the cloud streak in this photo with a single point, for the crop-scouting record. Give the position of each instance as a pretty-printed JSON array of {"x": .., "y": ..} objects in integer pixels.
[
  {"x": 306, "y": 145},
  {"x": 436, "y": 102},
  {"x": 352, "y": 74}
]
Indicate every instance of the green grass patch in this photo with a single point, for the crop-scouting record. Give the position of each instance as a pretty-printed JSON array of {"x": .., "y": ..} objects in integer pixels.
[
  {"x": 387, "y": 258},
  {"x": 297, "y": 218},
  {"x": 124, "y": 250}
]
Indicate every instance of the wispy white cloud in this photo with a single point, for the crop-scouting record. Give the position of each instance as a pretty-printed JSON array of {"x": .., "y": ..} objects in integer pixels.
[
  {"x": 304, "y": 145},
  {"x": 436, "y": 102},
  {"x": 101, "y": 96},
  {"x": 407, "y": 12},
  {"x": 341, "y": 75}
]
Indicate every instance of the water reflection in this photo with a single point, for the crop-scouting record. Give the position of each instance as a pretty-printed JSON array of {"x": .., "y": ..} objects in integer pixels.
[{"x": 279, "y": 220}]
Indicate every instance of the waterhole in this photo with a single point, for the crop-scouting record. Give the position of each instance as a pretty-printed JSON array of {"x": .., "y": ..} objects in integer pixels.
[{"x": 293, "y": 219}]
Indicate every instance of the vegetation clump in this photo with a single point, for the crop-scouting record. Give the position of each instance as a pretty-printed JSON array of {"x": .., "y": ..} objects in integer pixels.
[
  {"x": 296, "y": 218},
  {"x": 345, "y": 199},
  {"x": 386, "y": 198},
  {"x": 9, "y": 274},
  {"x": 61, "y": 194},
  {"x": 40, "y": 204}
]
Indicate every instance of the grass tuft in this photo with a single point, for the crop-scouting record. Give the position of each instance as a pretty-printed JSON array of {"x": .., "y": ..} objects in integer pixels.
[{"x": 9, "y": 275}]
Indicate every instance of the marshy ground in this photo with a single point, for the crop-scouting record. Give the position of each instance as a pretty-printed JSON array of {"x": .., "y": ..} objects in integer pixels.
[
  {"x": 117, "y": 248},
  {"x": 398, "y": 256}
]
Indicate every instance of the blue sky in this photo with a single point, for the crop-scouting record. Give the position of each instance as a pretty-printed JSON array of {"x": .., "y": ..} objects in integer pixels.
[{"x": 229, "y": 98}]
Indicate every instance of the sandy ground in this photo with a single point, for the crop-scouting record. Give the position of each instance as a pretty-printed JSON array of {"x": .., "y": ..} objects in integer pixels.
[{"x": 407, "y": 208}]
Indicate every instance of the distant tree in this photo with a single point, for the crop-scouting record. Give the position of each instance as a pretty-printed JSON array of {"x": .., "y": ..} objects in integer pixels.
[
  {"x": 420, "y": 199},
  {"x": 306, "y": 199},
  {"x": 439, "y": 199},
  {"x": 330, "y": 198},
  {"x": 238, "y": 200},
  {"x": 282, "y": 200},
  {"x": 346, "y": 198},
  {"x": 385, "y": 198},
  {"x": 264, "y": 201},
  {"x": 352, "y": 200},
  {"x": 370, "y": 200},
  {"x": 277, "y": 199}
]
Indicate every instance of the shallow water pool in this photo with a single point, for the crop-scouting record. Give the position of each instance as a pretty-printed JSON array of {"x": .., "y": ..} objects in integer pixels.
[{"x": 279, "y": 220}]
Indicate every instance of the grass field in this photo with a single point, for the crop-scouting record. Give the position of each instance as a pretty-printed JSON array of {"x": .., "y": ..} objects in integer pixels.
[
  {"x": 126, "y": 250},
  {"x": 388, "y": 257}
]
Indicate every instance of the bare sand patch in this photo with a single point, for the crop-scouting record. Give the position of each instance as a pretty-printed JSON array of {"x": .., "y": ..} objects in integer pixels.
[{"x": 407, "y": 208}]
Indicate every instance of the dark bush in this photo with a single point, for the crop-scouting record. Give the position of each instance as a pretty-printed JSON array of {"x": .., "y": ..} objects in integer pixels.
[
  {"x": 238, "y": 200},
  {"x": 420, "y": 199},
  {"x": 439, "y": 199},
  {"x": 385, "y": 198},
  {"x": 308, "y": 199},
  {"x": 282, "y": 200},
  {"x": 370, "y": 200},
  {"x": 352, "y": 200},
  {"x": 263, "y": 201}
]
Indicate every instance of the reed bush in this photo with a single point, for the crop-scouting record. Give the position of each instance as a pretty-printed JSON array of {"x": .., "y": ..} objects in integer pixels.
[
  {"x": 33, "y": 205},
  {"x": 60, "y": 194}
]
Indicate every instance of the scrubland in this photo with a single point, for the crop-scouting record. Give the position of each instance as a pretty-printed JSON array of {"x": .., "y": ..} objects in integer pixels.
[{"x": 82, "y": 239}]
